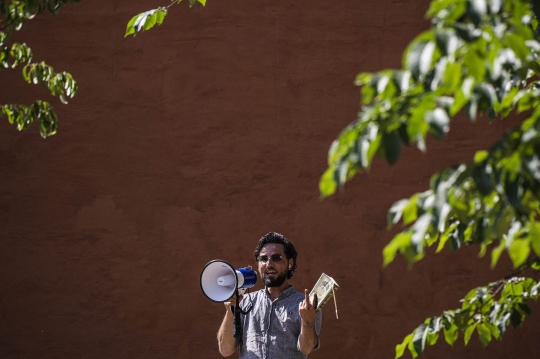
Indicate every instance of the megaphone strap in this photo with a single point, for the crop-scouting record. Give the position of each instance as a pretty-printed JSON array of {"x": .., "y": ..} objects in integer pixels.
[
  {"x": 244, "y": 312},
  {"x": 237, "y": 325}
]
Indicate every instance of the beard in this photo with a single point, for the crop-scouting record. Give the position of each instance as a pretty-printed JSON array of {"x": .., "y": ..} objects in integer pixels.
[{"x": 274, "y": 282}]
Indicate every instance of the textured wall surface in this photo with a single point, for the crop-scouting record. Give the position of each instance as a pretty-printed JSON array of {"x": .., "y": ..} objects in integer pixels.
[{"x": 188, "y": 143}]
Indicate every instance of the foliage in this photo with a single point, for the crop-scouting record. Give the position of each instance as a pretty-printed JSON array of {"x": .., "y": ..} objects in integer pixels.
[
  {"x": 148, "y": 19},
  {"x": 14, "y": 14},
  {"x": 479, "y": 56},
  {"x": 488, "y": 310}
]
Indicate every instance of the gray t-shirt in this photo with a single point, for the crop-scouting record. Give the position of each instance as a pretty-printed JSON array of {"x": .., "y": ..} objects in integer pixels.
[{"x": 272, "y": 328}]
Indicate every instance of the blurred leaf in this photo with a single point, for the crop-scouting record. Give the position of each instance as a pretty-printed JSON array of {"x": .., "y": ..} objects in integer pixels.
[
  {"x": 468, "y": 332},
  {"x": 420, "y": 58},
  {"x": 524, "y": 308},
  {"x": 451, "y": 334},
  {"x": 399, "y": 243},
  {"x": 392, "y": 147},
  {"x": 327, "y": 184},
  {"x": 439, "y": 122},
  {"x": 419, "y": 338},
  {"x": 517, "y": 43},
  {"x": 476, "y": 9},
  {"x": 479, "y": 156},
  {"x": 395, "y": 212},
  {"x": 467, "y": 32},
  {"x": 475, "y": 65},
  {"x": 400, "y": 348},
  {"x": 484, "y": 334},
  {"x": 515, "y": 318},
  {"x": 519, "y": 251},
  {"x": 534, "y": 236}
]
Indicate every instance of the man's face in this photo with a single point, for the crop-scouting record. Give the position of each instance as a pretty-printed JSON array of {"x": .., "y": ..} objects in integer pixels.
[{"x": 273, "y": 273}]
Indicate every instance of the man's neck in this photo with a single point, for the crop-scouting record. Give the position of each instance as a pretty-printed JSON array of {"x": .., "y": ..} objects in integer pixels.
[{"x": 274, "y": 292}]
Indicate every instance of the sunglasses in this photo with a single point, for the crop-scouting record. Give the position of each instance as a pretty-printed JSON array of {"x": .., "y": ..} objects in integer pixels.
[{"x": 274, "y": 257}]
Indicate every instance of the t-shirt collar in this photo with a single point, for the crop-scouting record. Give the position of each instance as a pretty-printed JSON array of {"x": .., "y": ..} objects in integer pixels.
[{"x": 284, "y": 294}]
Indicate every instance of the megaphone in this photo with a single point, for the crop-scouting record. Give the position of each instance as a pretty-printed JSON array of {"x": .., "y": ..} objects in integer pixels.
[{"x": 219, "y": 280}]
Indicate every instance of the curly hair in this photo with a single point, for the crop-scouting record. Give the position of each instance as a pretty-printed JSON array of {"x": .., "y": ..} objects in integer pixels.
[{"x": 277, "y": 238}]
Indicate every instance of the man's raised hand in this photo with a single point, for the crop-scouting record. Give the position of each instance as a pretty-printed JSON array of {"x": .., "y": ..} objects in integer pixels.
[{"x": 232, "y": 302}]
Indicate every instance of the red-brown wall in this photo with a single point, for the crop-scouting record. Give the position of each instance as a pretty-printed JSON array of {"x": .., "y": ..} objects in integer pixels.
[{"x": 187, "y": 144}]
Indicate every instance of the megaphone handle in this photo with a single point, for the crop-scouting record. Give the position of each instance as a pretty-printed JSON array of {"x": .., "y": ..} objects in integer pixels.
[{"x": 237, "y": 325}]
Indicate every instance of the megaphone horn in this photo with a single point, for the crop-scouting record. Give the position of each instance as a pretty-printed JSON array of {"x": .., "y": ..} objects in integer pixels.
[{"x": 219, "y": 280}]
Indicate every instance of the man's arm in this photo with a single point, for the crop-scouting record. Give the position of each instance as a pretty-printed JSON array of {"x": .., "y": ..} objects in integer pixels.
[
  {"x": 226, "y": 341},
  {"x": 307, "y": 341}
]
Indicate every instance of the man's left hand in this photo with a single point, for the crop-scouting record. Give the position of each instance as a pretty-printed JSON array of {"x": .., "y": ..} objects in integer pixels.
[{"x": 307, "y": 310}]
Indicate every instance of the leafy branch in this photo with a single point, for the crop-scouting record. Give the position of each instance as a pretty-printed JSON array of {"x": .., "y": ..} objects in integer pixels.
[
  {"x": 496, "y": 197},
  {"x": 488, "y": 310},
  {"x": 479, "y": 56},
  {"x": 476, "y": 58},
  {"x": 14, "y": 15},
  {"x": 148, "y": 19},
  {"x": 24, "y": 116}
]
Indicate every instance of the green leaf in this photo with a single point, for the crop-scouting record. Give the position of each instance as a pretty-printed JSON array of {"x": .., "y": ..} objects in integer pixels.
[
  {"x": 160, "y": 16},
  {"x": 467, "y": 32},
  {"x": 203, "y": 2},
  {"x": 130, "y": 29},
  {"x": 419, "y": 338},
  {"x": 420, "y": 58},
  {"x": 400, "y": 348},
  {"x": 410, "y": 346},
  {"x": 439, "y": 122},
  {"x": 398, "y": 244},
  {"x": 535, "y": 289},
  {"x": 395, "y": 212},
  {"x": 519, "y": 251},
  {"x": 517, "y": 43},
  {"x": 534, "y": 236},
  {"x": 484, "y": 334},
  {"x": 392, "y": 147},
  {"x": 451, "y": 334},
  {"x": 461, "y": 318},
  {"x": 327, "y": 184},
  {"x": 515, "y": 318},
  {"x": 468, "y": 333},
  {"x": 524, "y": 308},
  {"x": 475, "y": 65},
  {"x": 482, "y": 179},
  {"x": 476, "y": 9},
  {"x": 445, "y": 236},
  {"x": 434, "y": 327},
  {"x": 150, "y": 21},
  {"x": 479, "y": 156},
  {"x": 447, "y": 42},
  {"x": 410, "y": 210},
  {"x": 481, "y": 294},
  {"x": 436, "y": 7},
  {"x": 452, "y": 77},
  {"x": 420, "y": 228},
  {"x": 363, "y": 78}
]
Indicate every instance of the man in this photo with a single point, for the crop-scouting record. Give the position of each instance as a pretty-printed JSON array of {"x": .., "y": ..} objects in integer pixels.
[{"x": 283, "y": 323}]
